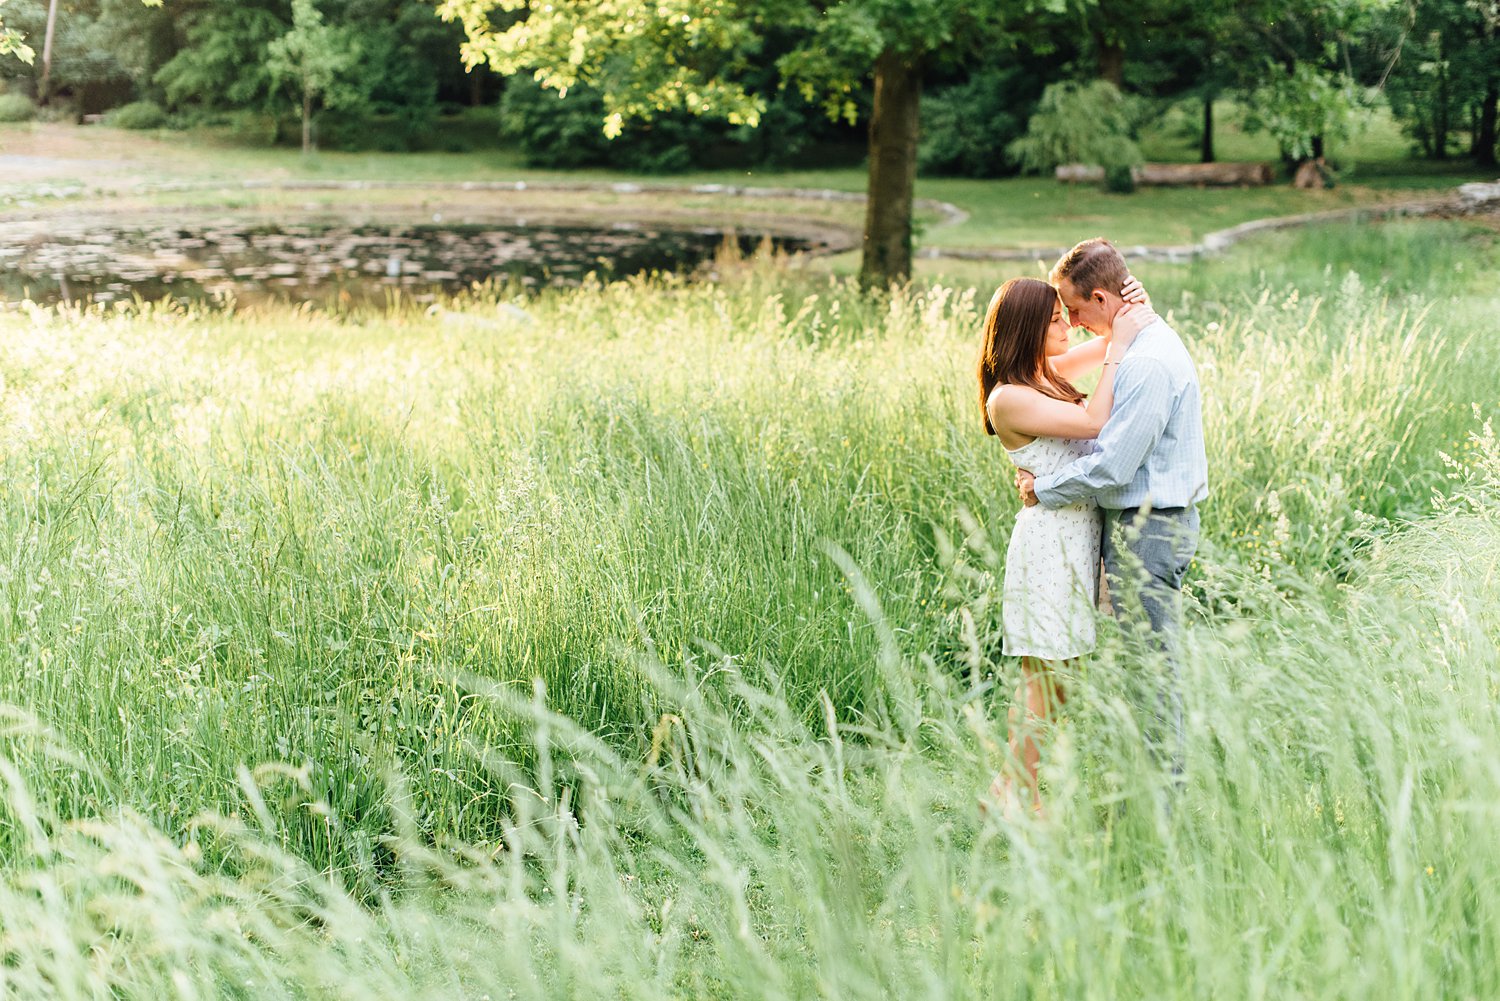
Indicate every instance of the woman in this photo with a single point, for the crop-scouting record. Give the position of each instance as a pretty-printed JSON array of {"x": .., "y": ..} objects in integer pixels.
[{"x": 1026, "y": 368}]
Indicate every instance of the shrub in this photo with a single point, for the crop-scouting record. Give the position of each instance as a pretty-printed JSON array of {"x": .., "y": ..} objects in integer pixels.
[
  {"x": 967, "y": 128},
  {"x": 1091, "y": 123},
  {"x": 58, "y": 110},
  {"x": 16, "y": 108},
  {"x": 1119, "y": 178},
  {"x": 138, "y": 115},
  {"x": 466, "y": 130}
]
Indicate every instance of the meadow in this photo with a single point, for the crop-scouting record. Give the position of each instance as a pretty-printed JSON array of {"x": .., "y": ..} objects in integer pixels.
[{"x": 641, "y": 640}]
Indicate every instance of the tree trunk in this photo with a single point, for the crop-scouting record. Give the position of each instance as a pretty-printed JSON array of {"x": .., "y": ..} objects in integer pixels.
[
  {"x": 1206, "y": 151},
  {"x": 1484, "y": 136},
  {"x": 1317, "y": 147},
  {"x": 893, "y": 171},
  {"x": 306, "y": 120},
  {"x": 44, "y": 89},
  {"x": 1111, "y": 61},
  {"x": 476, "y": 88},
  {"x": 1440, "y": 120}
]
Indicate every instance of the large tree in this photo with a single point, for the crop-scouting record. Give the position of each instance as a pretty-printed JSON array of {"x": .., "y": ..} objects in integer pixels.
[
  {"x": 693, "y": 54},
  {"x": 1444, "y": 73},
  {"x": 1298, "y": 76}
]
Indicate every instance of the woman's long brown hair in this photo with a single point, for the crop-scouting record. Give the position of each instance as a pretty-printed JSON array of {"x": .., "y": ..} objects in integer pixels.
[{"x": 1014, "y": 351}]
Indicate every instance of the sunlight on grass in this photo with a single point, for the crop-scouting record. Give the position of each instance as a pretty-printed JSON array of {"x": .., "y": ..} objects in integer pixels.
[{"x": 642, "y": 640}]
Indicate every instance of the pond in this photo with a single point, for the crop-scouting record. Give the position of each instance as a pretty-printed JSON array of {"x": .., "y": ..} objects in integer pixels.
[{"x": 93, "y": 261}]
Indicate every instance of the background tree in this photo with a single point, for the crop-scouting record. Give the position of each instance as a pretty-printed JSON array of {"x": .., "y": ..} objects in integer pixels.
[
  {"x": 44, "y": 86},
  {"x": 1090, "y": 123},
  {"x": 217, "y": 64},
  {"x": 1297, "y": 74},
  {"x": 1303, "y": 108},
  {"x": 1444, "y": 74},
  {"x": 968, "y": 125},
  {"x": 314, "y": 58},
  {"x": 690, "y": 54},
  {"x": 221, "y": 57},
  {"x": 1187, "y": 51},
  {"x": 1117, "y": 33},
  {"x": 141, "y": 39},
  {"x": 1485, "y": 58},
  {"x": 84, "y": 66}
]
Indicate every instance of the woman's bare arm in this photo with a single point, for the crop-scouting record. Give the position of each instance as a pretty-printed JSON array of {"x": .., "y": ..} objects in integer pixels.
[
  {"x": 1081, "y": 360},
  {"x": 1021, "y": 410}
]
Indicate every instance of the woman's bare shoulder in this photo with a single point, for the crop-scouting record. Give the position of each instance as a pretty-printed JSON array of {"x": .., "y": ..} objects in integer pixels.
[
  {"x": 1008, "y": 401},
  {"x": 1008, "y": 397}
]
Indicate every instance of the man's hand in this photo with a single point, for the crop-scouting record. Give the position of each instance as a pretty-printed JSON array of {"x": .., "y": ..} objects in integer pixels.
[{"x": 1026, "y": 483}]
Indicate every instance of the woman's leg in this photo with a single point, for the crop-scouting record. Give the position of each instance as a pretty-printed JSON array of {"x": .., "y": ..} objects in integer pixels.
[{"x": 1033, "y": 708}]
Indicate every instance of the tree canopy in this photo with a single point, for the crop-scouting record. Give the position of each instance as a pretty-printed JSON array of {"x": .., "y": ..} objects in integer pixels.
[{"x": 692, "y": 55}]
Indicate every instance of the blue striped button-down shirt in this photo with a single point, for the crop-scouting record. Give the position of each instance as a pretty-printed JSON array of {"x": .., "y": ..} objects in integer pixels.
[{"x": 1151, "y": 448}]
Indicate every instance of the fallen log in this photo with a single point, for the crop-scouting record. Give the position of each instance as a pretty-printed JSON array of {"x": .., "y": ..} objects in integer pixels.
[
  {"x": 1176, "y": 174},
  {"x": 1252, "y": 174},
  {"x": 1080, "y": 173}
]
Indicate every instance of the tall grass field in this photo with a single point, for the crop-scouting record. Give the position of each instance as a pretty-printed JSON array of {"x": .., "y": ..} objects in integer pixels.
[{"x": 642, "y": 641}]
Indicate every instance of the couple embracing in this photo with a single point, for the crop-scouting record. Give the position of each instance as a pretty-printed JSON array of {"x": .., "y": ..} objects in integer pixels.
[{"x": 1114, "y": 479}]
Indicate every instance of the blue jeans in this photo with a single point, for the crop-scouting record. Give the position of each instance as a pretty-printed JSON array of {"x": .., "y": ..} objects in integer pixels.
[{"x": 1146, "y": 556}]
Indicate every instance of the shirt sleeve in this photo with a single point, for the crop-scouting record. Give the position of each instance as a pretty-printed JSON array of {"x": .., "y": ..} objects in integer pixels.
[{"x": 1142, "y": 406}]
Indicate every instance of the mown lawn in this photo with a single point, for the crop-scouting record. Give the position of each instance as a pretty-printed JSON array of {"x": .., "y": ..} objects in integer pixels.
[{"x": 1005, "y": 213}]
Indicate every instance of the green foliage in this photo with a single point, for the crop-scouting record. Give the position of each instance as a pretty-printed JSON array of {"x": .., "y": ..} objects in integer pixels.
[
  {"x": 1119, "y": 179},
  {"x": 222, "y": 60},
  {"x": 566, "y": 132},
  {"x": 968, "y": 127},
  {"x": 1090, "y": 123},
  {"x": 393, "y": 58},
  {"x": 16, "y": 108},
  {"x": 312, "y": 64},
  {"x": 411, "y": 129},
  {"x": 13, "y": 42},
  {"x": 643, "y": 59},
  {"x": 1449, "y": 65},
  {"x": 138, "y": 115},
  {"x": 84, "y": 59},
  {"x": 1307, "y": 105}
]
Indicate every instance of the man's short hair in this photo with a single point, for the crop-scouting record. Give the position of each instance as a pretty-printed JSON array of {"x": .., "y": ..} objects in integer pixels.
[{"x": 1092, "y": 264}]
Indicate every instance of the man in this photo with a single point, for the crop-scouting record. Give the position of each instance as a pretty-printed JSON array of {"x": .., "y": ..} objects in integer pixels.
[{"x": 1148, "y": 472}]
